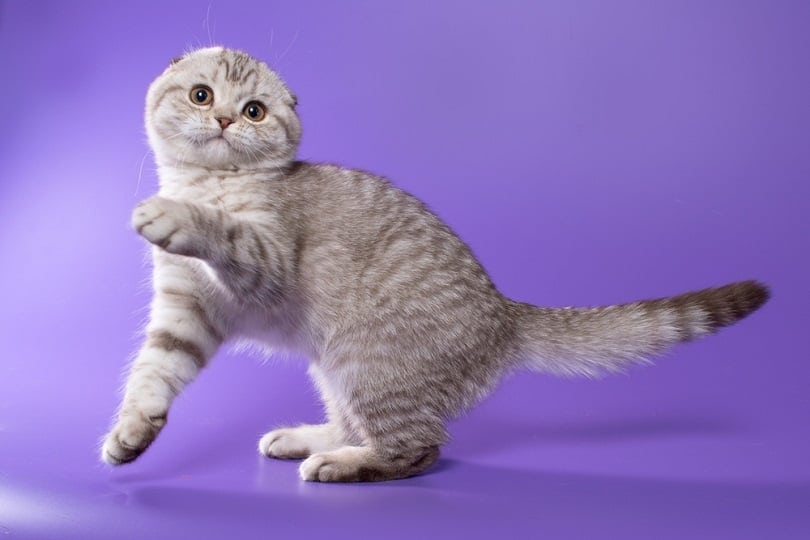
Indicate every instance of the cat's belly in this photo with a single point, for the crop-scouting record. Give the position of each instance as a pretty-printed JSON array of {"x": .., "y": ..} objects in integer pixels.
[{"x": 276, "y": 328}]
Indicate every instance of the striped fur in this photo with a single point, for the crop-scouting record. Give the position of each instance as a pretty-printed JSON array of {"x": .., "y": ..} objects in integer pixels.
[
  {"x": 592, "y": 341},
  {"x": 403, "y": 327}
]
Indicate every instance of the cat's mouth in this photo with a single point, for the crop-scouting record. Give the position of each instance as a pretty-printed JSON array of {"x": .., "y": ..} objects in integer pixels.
[{"x": 218, "y": 139}]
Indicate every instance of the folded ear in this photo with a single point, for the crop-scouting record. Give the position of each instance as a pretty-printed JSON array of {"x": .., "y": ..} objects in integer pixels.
[
  {"x": 175, "y": 60},
  {"x": 294, "y": 100}
]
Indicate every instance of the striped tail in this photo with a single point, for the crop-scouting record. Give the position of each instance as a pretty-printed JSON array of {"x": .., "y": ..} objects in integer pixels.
[{"x": 590, "y": 341}]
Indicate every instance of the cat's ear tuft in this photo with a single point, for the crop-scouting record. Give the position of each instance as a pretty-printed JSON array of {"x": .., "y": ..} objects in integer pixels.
[{"x": 175, "y": 60}]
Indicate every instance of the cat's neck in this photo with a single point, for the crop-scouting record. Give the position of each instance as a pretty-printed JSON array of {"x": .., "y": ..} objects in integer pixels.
[
  {"x": 192, "y": 180},
  {"x": 187, "y": 170}
]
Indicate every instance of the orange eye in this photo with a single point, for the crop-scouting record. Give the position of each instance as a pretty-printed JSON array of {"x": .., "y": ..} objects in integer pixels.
[
  {"x": 254, "y": 111},
  {"x": 201, "y": 95}
]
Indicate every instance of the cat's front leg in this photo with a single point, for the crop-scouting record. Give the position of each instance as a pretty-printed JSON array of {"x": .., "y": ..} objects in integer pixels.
[
  {"x": 176, "y": 226},
  {"x": 252, "y": 259},
  {"x": 181, "y": 337}
]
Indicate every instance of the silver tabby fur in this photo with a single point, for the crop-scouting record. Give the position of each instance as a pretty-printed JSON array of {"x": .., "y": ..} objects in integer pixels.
[{"x": 402, "y": 325}]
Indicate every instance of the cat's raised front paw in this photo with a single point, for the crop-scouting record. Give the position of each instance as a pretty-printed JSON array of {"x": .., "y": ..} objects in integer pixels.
[
  {"x": 132, "y": 434},
  {"x": 165, "y": 223}
]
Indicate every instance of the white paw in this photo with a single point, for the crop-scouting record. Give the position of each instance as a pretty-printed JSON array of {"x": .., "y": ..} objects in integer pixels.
[
  {"x": 343, "y": 465},
  {"x": 164, "y": 223},
  {"x": 283, "y": 444},
  {"x": 132, "y": 434},
  {"x": 298, "y": 442},
  {"x": 309, "y": 469}
]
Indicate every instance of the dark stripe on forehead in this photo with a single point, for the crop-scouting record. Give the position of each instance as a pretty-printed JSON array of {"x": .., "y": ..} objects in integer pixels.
[
  {"x": 251, "y": 72},
  {"x": 240, "y": 64},
  {"x": 223, "y": 62}
]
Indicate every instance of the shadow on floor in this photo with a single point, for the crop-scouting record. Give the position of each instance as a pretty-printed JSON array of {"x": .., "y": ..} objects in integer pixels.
[{"x": 507, "y": 433}]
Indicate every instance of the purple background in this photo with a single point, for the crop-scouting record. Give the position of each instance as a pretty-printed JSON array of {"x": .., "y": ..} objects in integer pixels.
[{"x": 590, "y": 152}]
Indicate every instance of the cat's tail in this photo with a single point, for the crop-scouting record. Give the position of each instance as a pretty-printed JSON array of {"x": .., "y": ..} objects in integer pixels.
[{"x": 590, "y": 341}]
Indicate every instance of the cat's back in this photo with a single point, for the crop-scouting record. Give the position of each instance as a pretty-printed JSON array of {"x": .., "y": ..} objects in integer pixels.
[
  {"x": 366, "y": 219},
  {"x": 367, "y": 245},
  {"x": 365, "y": 203}
]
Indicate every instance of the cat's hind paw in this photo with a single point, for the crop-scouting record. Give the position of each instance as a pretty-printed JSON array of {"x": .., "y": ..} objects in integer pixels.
[
  {"x": 298, "y": 442},
  {"x": 342, "y": 465},
  {"x": 362, "y": 464}
]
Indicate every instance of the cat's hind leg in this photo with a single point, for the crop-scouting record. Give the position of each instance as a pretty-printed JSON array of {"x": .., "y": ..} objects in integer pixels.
[
  {"x": 395, "y": 431},
  {"x": 303, "y": 441}
]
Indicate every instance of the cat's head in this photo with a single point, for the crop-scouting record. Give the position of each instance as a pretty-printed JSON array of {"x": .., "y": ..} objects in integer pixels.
[{"x": 220, "y": 108}]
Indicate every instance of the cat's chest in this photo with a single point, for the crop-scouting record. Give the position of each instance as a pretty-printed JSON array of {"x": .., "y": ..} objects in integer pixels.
[
  {"x": 278, "y": 327},
  {"x": 229, "y": 196},
  {"x": 275, "y": 325}
]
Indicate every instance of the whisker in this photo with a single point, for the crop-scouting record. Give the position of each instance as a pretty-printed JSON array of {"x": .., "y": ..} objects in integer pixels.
[
  {"x": 287, "y": 49},
  {"x": 207, "y": 22},
  {"x": 140, "y": 171}
]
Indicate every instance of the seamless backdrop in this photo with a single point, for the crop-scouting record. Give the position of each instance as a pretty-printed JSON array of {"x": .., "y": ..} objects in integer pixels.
[{"x": 589, "y": 152}]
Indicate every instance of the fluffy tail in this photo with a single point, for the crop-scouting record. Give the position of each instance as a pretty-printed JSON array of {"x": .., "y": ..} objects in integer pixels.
[{"x": 589, "y": 341}]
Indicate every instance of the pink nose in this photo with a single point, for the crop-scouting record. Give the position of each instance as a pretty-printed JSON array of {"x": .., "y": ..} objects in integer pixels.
[{"x": 224, "y": 121}]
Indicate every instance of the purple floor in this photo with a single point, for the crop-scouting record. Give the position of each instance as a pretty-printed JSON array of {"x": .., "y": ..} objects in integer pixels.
[{"x": 590, "y": 152}]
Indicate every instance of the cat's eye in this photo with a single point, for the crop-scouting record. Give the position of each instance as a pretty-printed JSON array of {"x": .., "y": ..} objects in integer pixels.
[
  {"x": 254, "y": 111},
  {"x": 201, "y": 95}
]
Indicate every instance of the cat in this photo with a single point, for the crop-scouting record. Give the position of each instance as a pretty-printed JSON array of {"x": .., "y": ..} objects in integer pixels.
[{"x": 403, "y": 327}]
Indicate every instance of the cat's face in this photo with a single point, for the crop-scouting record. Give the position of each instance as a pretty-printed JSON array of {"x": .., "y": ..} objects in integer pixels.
[{"x": 220, "y": 108}]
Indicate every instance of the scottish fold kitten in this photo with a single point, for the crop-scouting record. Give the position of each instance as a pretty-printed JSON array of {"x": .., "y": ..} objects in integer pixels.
[{"x": 402, "y": 325}]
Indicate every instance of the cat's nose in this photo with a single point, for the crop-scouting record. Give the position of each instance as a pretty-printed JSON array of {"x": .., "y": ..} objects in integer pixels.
[{"x": 224, "y": 121}]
